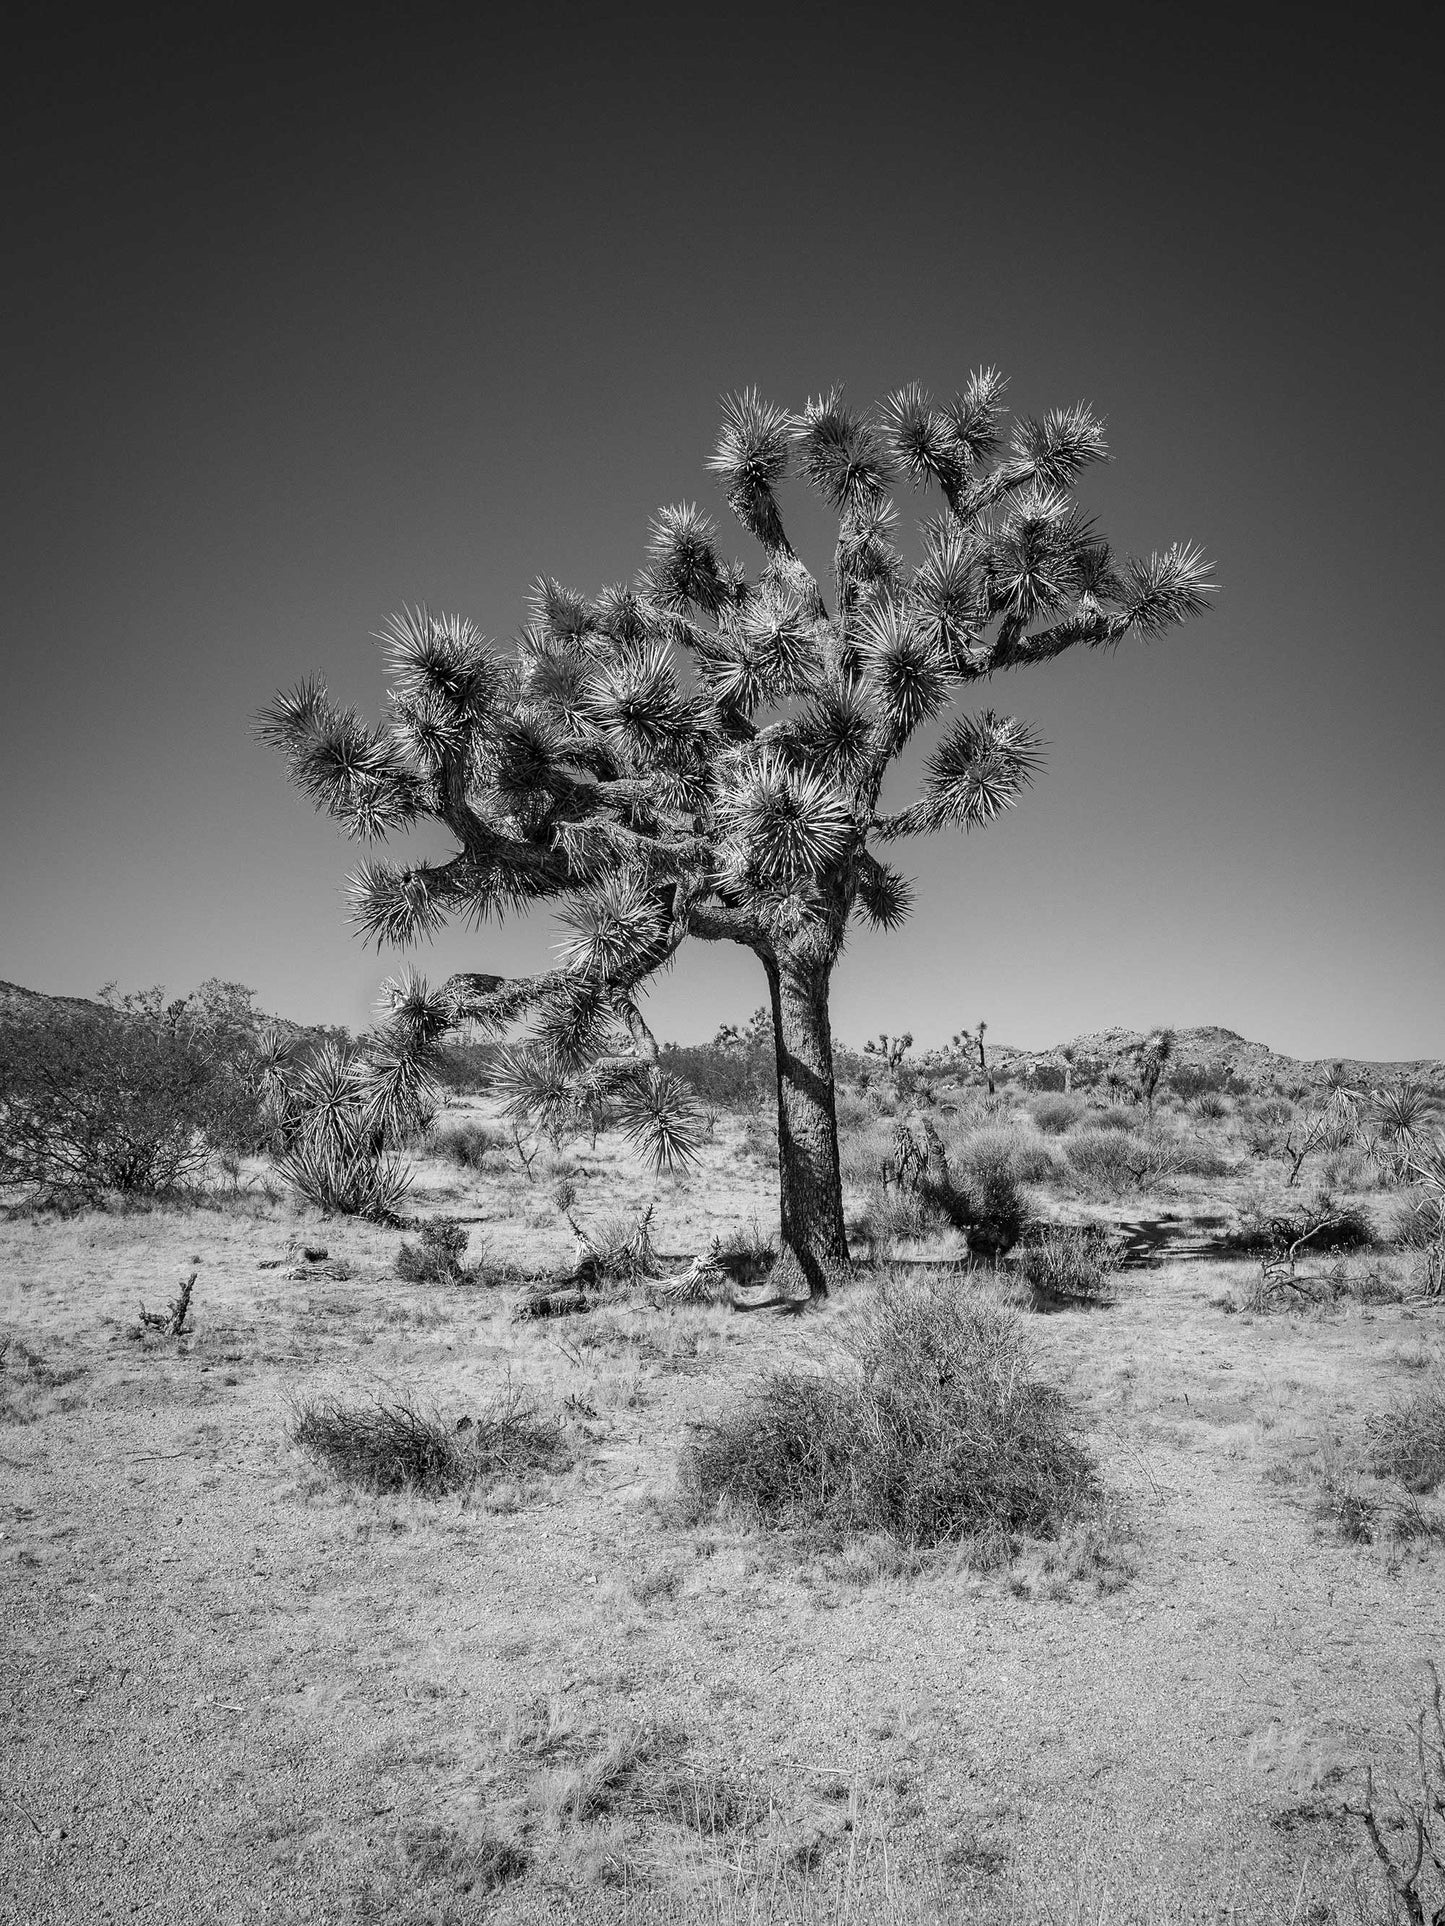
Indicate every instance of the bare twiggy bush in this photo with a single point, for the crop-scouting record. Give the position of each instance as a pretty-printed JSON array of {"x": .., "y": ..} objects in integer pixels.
[
  {"x": 392, "y": 1445},
  {"x": 932, "y": 1426},
  {"x": 1408, "y": 1835},
  {"x": 130, "y": 1096}
]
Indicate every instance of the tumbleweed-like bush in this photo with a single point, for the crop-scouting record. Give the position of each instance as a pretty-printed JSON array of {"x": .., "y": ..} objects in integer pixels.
[{"x": 932, "y": 1426}]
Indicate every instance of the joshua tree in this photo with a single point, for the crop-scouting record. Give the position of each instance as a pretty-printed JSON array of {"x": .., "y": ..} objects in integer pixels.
[
  {"x": 1154, "y": 1055},
  {"x": 889, "y": 1050},
  {"x": 703, "y": 754}
]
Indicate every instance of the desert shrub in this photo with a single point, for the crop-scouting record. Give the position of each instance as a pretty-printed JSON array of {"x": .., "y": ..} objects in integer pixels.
[
  {"x": 736, "y": 1077},
  {"x": 853, "y": 1110},
  {"x": 392, "y": 1445},
  {"x": 1212, "y": 1106},
  {"x": 467, "y": 1145},
  {"x": 1103, "y": 1158},
  {"x": 932, "y": 1427},
  {"x": 989, "y": 1146},
  {"x": 1271, "y": 1110},
  {"x": 980, "y": 1194},
  {"x": 131, "y": 1097},
  {"x": 1193, "y": 1157},
  {"x": 896, "y": 1215},
  {"x": 1408, "y": 1443},
  {"x": 438, "y": 1256},
  {"x": 994, "y": 1210},
  {"x": 1350, "y": 1169},
  {"x": 1055, "y": 1113},
  {"x": 1193, "y": 1081},
  {"x": 1335, "y": 1227},
  {"x": 1079, "y": 1264},
  {"x": 746, "y": 1255},
  {"x": 1112, "y": 1118},
  {"x": 1034, "y": 1163}
]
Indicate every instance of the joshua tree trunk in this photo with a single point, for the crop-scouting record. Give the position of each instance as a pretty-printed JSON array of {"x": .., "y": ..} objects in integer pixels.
[{"x": 814, "y": 1245}]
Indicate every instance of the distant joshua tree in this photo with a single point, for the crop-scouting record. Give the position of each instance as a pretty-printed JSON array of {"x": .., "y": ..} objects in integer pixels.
[
  {"x": 889, "y": 1050},
  {"x": 703, "y": 754}
]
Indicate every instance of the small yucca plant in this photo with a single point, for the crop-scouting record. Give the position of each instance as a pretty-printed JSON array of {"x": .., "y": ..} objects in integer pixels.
[{"x": 341, "y": 1115}]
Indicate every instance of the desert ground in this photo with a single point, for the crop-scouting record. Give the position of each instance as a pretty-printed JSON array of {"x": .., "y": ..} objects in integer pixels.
[{"x": 238, "y": 1688}]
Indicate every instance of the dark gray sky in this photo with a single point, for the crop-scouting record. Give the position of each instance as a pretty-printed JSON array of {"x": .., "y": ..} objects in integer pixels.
[{"x": 302, "y": 322}]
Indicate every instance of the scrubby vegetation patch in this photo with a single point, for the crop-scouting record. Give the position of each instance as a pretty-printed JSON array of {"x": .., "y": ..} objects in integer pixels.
[
  {"x": 933, "y": 1427},
  {"x": 391, "y": 1445}
]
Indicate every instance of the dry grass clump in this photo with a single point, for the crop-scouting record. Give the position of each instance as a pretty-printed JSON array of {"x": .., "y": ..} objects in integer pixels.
[
  {"x": 933, "y": 1428},
  {"x": 466, "y": 1863},
  {"x": 1075, "y": 1266},
  {"x": 392, "y": 1445},
  {"x": 1409, "y": 1441}
]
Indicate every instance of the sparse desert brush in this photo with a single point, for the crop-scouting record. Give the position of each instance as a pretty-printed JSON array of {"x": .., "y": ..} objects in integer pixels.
[
  {"x": 1112, "y": 1116},
  {"x": 1103, "y": 1157},
  {"x": 1408, "y": 1443},
  {"x": 991, "y": 1146},
  {"x": 927, "y": 1423},
  {"x": 1351, "y": 1169},
  {"x": 438, "y": 1256},
  {"x": 1078, "y": 1265},
  {"x": 464, "y": 1862},
  {"x": 467, "y": 1145},
  {"x": 1194, "y": 1157},
  {"x": 390, "y": 1445},
  {"x": 1055, "y": 1113},
  {"x": 1327, "y": 1224}
]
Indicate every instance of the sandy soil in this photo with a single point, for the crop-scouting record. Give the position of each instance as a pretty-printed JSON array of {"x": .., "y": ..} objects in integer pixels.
[{"x": 234, "y": 1691}]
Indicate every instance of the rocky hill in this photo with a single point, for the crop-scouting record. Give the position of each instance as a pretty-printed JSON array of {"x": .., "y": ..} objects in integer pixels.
[{"x": 1208, "y": 1048}]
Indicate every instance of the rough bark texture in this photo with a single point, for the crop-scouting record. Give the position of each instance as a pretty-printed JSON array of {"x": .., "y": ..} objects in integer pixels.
[{"x": 814, "y": 1251}]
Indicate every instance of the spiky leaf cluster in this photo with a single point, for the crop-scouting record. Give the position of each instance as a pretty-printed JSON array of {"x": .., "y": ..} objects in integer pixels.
[{"x": 702, "y": 751}]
